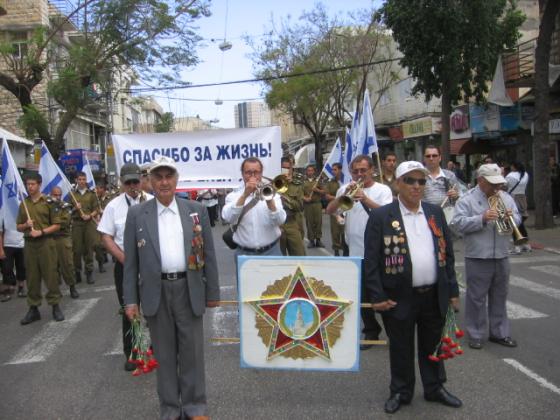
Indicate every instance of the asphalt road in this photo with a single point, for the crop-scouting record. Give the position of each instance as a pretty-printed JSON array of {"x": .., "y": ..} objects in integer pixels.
[{"x": 74, "y": 369}]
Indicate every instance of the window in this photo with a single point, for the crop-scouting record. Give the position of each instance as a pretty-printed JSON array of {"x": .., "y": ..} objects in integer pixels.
[{"x": 19, "y": 44}]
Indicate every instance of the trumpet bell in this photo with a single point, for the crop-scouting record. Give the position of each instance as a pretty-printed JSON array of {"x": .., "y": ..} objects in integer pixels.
[
  {"x": 345, "y": 203},
  {"x": 280, "y": 184}
]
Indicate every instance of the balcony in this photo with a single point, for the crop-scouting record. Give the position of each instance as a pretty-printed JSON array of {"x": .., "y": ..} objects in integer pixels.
[{"x": 519, "y": 65}]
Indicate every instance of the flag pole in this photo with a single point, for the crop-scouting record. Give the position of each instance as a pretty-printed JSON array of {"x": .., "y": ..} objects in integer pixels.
[
  {"x": 24, "y": 205},
  {"x": 379, "y": 166},
  {"x": 321, "y": 173}
]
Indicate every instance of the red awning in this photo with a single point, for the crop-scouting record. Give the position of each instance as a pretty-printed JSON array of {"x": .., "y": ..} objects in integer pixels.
[{"x": 467, "y": 147}]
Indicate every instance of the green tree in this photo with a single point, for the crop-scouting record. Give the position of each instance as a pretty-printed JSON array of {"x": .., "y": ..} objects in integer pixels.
[
  {"x": 165, "y": 125},
  {"x": 451, "y": 47},
  {"x": 549, "y": 11},
  {"x": 155, "y": 38}
]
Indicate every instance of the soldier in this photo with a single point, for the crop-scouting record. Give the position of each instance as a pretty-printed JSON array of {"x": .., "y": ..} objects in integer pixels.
[
  {"x": 83, "y": 228},
  {"x": 291, "y": 241},
  {"x": 312, "y": 208},
  {"x": 63, "y": 241},
  {"x": 389, "y": 164},
  {"x": 145, "y": 184},
  {"x": 103, "y": 198},
  {"x": 38, "y": 220},
  {"x": 337, "y": 229}
]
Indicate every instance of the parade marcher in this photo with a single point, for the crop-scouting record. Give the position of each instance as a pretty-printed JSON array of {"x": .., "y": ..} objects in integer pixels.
[
  {"x": 11, "y": 255},
  {"x": 291, "y": 241},
  {"x": 83, "y": 228},
  {"x": 63, "y": 242},
  {"x": 486, "y": 258},
  {"x": 145, "y": 184},
  {"x": 312, "y": 207},
  {"x": 337, "y": 229},
  {"x": 171, "y": 271},
  {"x": 103, "y": 198},
  {"x": 111, "y": 228},
  {"x": 369, "y": 196},
  {"x": 517, "y": 180},
  {"x": 209, "y": 199},
  {"x": 39, "y": 249},
  {"x": 389, "y": 164},
  {"x": 258, "y": 233},
  {"x": 442, "y": 183},
  {"x": 411, "y": 284}
]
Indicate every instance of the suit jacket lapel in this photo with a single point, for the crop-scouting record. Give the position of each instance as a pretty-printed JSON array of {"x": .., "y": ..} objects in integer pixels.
[
  {"x": 187, "y": 223},
  {"x": 152, "y": 225}
]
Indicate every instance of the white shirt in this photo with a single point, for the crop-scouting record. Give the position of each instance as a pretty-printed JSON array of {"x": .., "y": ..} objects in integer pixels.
[
  {"x": 171, "y": 241},
  {"x": 114, "y": 217},
  {"x": 12, "y": 238},
  {"x": 356, "y": 218},
  {"x": 259, "y": 226},
  {"x": 421, "y": 246},
  {"x": 512, "y": 179},
  {"x": 212, "y": 199}
]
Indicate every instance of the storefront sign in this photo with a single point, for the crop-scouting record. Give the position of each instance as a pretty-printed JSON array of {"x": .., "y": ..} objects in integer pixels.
[
  {"x": 421, "y": 127},
  {"x": 484, "y": 119}
]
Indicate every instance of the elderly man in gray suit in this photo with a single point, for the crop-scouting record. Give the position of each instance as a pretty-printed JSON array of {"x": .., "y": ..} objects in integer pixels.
[{"x": 171, "y": 271}]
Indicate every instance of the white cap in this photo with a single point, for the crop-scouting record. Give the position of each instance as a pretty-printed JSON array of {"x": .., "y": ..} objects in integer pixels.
[
  {"x": 409, "y": 166},
  {"x": 163, "y": 162},
  {"x": 491, "y": 173}
]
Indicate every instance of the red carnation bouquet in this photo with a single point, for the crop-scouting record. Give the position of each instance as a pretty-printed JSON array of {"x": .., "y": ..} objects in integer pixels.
[
  {"x": 142, "y": 354},
  {"x": 448, "y": 347}
]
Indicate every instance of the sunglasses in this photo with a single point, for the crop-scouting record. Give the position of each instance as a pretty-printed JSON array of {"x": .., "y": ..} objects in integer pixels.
[
  {"x": 409, "y": 180},
  {"x": 431, "y": 156}
]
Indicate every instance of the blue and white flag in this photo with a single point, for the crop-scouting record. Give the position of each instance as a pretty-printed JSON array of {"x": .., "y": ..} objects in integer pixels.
[
  {"x": 366, "y": 143},
  {"x": 52, "y": 174},
  {"x": 347, "y": 158},
  {"x": 12, "y": 190},
  {"x": 86, "y": 169},
  {"x": 355, "y": 134},
  {"x": 334, "y": 157}
]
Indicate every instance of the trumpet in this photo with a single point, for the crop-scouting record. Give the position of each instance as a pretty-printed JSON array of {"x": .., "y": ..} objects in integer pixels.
[
  {"x": 505, "y": 225},
  {"x": 267, "y": 191},
  {"x": 346, "y": 202}
]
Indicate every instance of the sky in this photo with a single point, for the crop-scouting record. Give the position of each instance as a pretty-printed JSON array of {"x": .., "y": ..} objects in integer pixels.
[{"x": 244, "y": 17}]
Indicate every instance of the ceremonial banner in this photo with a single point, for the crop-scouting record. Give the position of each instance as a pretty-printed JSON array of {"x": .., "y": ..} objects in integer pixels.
[
  {"x": 205, "y": 159},
  {"x": 299, "y": 313}
]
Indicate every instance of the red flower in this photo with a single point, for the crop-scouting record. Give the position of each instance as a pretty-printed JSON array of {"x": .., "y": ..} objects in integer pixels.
[
  {"x": 459, "y": 351},
  {"x": 445, "y": 349},
  {"x": 433, "y": 358},
  {"x": 136, "y": 372},
  {"x": 140, "y": 362},
  {"x": 453, "y": 345},
  {"x": 149, "y": 352},
  {"x": 450, "y": 355},
  {"x": 446, "y": 339},
  {"x": 146, "y": 369},
  {"x": 459, "y": 333},
  {"x": 444, "y": 356}
]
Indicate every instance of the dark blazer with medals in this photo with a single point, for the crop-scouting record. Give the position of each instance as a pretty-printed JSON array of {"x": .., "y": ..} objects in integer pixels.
[{"x": 388, "y": 267}]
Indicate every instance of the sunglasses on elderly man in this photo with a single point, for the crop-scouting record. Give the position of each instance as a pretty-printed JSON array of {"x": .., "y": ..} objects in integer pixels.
[{"x": 409, "y": 180}]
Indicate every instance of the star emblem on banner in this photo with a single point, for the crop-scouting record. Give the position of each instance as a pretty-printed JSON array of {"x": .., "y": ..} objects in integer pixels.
[
  {"x": 299, "y": 317},
  {"x": 12, "y": 191}
]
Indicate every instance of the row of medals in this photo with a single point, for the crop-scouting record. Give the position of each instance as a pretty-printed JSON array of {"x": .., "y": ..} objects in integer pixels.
[{"x": 394, "y": 251}]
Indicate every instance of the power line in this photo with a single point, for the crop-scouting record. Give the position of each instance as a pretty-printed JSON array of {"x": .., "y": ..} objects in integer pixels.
[{"x": 266, "y": 79}]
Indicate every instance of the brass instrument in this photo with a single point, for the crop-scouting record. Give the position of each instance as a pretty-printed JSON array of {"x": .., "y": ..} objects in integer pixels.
[
  {"x": 267, "y": 191},
  {"x": 505, "y": 225},
  {"x": 346, "y": 202}
]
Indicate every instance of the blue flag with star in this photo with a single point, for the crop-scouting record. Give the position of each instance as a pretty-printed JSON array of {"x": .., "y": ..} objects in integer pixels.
[
  {"x": 12, "y": 190},
  {"x": 52, "y": 174}
]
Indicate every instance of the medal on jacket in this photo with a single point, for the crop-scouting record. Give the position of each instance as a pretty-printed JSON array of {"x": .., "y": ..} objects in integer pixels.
[
  {"x": 387, "y": 242},
  {"x": 196, "y": 258}
]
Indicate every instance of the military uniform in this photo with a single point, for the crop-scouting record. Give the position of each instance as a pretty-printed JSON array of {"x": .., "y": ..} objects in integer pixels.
[
  {"x": 313, "y": 212},
  {"x": 391, "y": 183},
  {"x": 100, "y": 251},
  {"x": 337, "y": 230},
  {"x": 63, "y": 241},
  {"x": 40, "y": 253},
  {"x": 84, "y": 232},
  {"x": 291, "y": 241}
]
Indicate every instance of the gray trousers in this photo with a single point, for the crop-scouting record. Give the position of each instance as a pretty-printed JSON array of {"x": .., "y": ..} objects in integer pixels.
[
  {"x": 177, "y": 339},
  {"x": 487, "y": 278}
]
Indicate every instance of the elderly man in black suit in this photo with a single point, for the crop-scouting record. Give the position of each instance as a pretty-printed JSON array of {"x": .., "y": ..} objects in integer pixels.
[{"x": 411, "y": 284}]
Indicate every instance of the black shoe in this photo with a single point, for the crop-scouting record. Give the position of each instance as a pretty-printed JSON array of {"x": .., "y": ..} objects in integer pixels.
[
  {"x": 31, "y": 316},
  {"x": 57, "y": 313},
  {"x": 506, "y": 341},
  {"x": 101, "y": 268},
  {"x": 444, "y": 397},
  {"x": 74, "y": 293},
  {"x": 336, "y": 253},
  {"x": 89, "y": 278},
  {"x": 393, "y": 404},
  {"x": 368, "y": 346},
  {"x": 475, "y": 343},
  {"x": 78, "y": 277},
  {"x": 129, "y": 366},
  {"x": 311, "y": 244},
  {"x": 319, "y": 244}
]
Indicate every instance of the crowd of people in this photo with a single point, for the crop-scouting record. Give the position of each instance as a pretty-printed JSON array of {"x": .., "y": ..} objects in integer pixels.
[{"x": 170, "y": 270}]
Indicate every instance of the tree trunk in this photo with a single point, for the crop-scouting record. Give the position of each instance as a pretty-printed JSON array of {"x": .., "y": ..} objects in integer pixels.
[
  {"x": 319, "y": 151},
  {"x": 57, "y": 144},
  {"x": 541, "y": 140},
  {"x": 445, "y": 113}
]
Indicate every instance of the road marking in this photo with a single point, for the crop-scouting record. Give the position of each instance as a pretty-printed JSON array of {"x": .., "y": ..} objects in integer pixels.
[
  {"x": 96, "y": 289},
  {"x": 117, "y": 347},
  {"x": 52, "y": 335},
  {"x": 534, "y": 287},
  {"x": 523, "y": 260},
  {"x": 516, "y": 311},
  {"x": 536, "y": 377},
  {"x": 553, "y": 270},
  {"x": 224, "y": 324}
]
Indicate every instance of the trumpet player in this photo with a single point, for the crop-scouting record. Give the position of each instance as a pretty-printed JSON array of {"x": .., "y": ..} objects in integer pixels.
[
  {"x": 258, "y": 233},
  {"x": 368, "y": 196},
  {"x": 291, "y": 241},
  {"x": 486, "y": 256}
]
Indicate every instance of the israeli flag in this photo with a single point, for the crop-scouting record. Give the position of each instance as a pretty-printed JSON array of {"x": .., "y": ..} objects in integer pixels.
[
  {"x": 368, "y": 138},
  {"x": 334, "y": 157},
  {"x": 52, "y": 174},
  {"x": 355, "y": 135},
  {"x": 86, "y": 169},
  {"x": 347, "y": 158},
  {"x": 12, "y": 190}
]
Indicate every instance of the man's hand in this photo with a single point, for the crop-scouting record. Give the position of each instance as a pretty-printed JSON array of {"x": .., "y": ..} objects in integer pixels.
[
  {"x": 78, "y": 206},
  {"x": 454, "y": 302},
  {"x": 384, "y": 306},
  {"x": 212, "y": 303},
  {"x": 489, "y": 214},
  {"x": 132, "y": 311},
  {"x": 86, "y": 217},
  {"x": 453, "y": 193},
  {"x": 2, "y": 254},
  {"x": 29, "y": 224},
  {"x": 250, "y": 187},
  {"x": 36, "y": 233},
  {"x": 359, "y": 195}
]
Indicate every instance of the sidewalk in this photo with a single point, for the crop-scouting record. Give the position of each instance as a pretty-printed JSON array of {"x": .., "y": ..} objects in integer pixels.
[{"x": 547, "y": 239}]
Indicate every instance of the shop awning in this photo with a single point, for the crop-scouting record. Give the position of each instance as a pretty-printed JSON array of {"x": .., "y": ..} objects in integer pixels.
[
  {"x": 468, "y": 147},
  {"x": 5, "y": 134}
]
